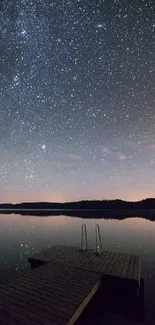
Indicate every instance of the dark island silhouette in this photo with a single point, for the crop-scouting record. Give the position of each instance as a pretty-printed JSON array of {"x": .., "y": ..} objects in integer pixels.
[{"x": 115, "y": 209}]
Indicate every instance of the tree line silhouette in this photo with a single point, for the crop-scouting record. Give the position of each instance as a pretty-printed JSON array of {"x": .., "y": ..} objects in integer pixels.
[{"x": 87, "y": 204}]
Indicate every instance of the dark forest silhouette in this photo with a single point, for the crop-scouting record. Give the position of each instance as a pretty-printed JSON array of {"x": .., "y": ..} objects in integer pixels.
[
  {"x": 108, "y": 209},
  {"x": 94, "y": 204}
]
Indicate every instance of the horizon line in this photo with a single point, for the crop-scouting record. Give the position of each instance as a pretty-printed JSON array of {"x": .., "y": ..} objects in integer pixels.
[{"x": 67, "y": 202}]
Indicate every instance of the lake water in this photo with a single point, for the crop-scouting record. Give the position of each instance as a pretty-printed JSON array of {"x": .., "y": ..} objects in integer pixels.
[{"x": 22, "y": 236}]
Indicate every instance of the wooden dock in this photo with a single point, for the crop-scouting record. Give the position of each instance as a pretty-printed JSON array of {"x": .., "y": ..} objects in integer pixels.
[
  {"x": 118, "y": 265},
  {"x": 61, "y": 283},
  {"x": 52, "y": 294}
]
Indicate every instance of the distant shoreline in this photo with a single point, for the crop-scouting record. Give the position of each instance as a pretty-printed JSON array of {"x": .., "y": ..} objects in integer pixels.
[
  {"x": 82, "y": 205},
  {"x": 116, "y": 209},
  {"x": 118, "y": 214}
]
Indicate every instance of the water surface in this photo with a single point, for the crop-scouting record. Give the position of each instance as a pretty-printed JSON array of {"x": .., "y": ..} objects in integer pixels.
[{"x": 22, "y": 236}]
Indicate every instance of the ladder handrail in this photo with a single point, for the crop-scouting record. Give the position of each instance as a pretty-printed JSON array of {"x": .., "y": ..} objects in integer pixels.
[
  {"x": 84, "y": 234},
  {"x": 98, "y": 239},
  {"x": 84, "y": 239}
]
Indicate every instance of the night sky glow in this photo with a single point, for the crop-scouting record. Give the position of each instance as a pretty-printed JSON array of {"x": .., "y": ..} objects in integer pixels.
[{"x": 77, "y": 100}]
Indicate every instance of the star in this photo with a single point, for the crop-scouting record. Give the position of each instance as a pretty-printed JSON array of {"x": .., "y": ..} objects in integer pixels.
[
  {"x": 43, "y": 147},
  {"x": 23, "y": 32},
  {"x": 100, "y": 26},
  {"x": 76, "y": 100}
]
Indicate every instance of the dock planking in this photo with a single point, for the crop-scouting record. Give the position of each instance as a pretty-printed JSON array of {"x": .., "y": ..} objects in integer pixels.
[
  {"x": 52, "y": 294},
  {"x": 60, "y": 284},
  {"x": 122, "y": 266}
]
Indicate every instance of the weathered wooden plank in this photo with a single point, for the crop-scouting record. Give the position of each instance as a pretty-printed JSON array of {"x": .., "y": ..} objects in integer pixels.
[
  {"x": 84, "y": 263},
  {"x": 66, "y": 253},
  {"x": 63, "y": 270},
  {"x": 44, "y": 252},
  {"x": 49, "y": 292},
  {"x": 98, "y": 261},
  {"x": 89, "y": 256},
  {"x": 103, "y": 261},
  {"x": 84, "y": 304},
  {"x": 59, "y": 285},
  {"x": 43, "y": 299},
  {"x": 90, "y": 264},
  {"x": 23, "y": 296},
  {"x": 49, "y": 254},
  {"x": 66, "y": 260},
  {"x": 111, "y": 264},
  {"x": 69, "y": 254},
  {"x": 116, "y": 264},
  {"x": 16, "y": 310},
  {"x": 119, "y": 269},
  {"x": 57, "y": 290},
  {"x": 64, "y": 278},
  {"x": 87, "y": 260},
  {"x": 130, "y": 271},
  {"x": 46, "y": 296},
  {"x": 125, "y": 267},
  {"x": 63, "y": 256},
  {"x": 103, "y": 258},
  {"x": 79, "y": 258},
  {"x": 70, "y": 261},
  {"x": 107, "y": 262},
  {"x": 50, "y": 308},
  {"x": 37, "y": 308},
  {"x": 43, "y": 317}
]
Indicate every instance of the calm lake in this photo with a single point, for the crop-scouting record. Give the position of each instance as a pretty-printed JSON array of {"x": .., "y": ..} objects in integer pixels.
[{"x": 22, "y": 236}]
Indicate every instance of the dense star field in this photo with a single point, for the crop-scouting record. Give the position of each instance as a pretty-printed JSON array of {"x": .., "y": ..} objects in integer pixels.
[{"x": 77, "y": 100}]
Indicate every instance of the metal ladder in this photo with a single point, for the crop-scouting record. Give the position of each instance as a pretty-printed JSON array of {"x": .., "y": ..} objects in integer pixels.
[
  {"x": 84, "y": 239},
  {"x": 98, "y": 240},
  {"x": 84, "y": 243}
]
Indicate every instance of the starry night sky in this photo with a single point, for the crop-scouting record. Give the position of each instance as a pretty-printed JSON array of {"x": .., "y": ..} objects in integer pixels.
[{"x": 77, "y": 100}]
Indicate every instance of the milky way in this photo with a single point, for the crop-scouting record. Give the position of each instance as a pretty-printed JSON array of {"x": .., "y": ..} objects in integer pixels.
[{"x": 77, "y": 100}]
